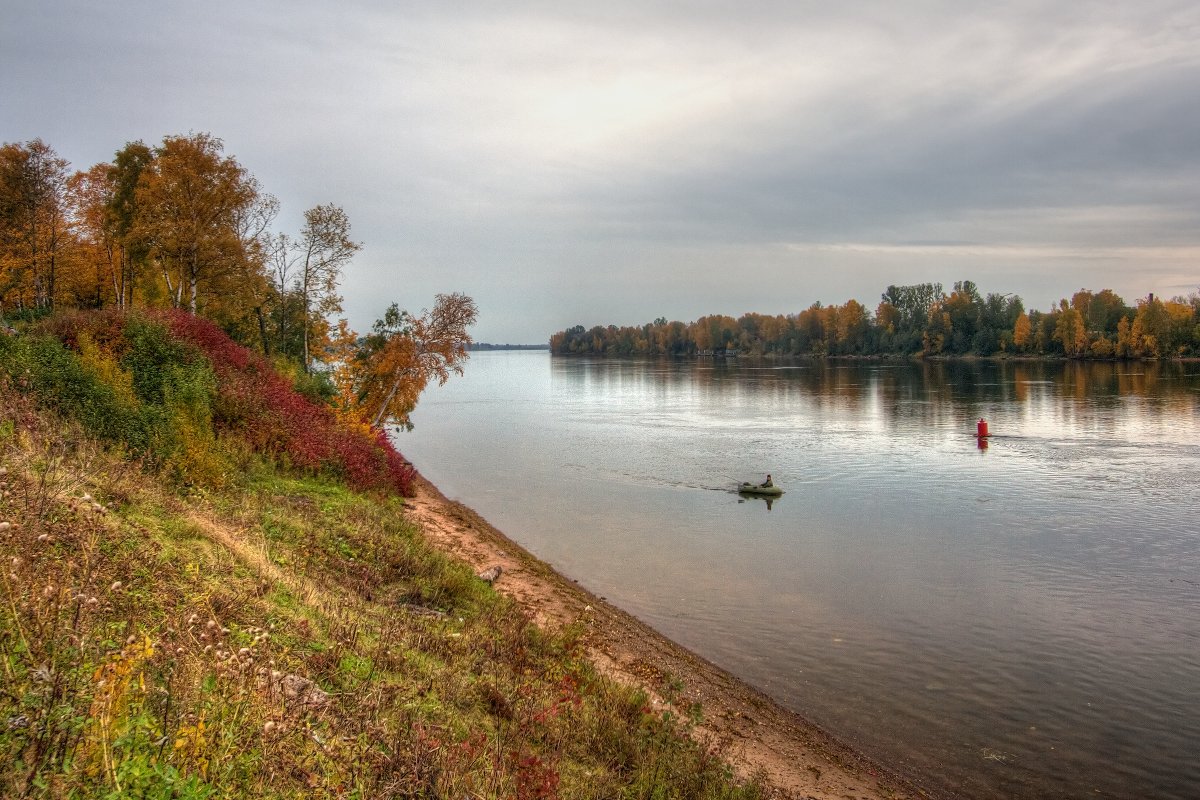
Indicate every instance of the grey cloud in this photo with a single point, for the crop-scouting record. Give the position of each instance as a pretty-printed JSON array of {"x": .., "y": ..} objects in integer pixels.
[{"x": 618, "y": 161}]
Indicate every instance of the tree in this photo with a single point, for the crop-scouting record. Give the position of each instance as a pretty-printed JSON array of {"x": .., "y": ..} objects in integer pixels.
[
  {"x": 851, "y": 322},
  {"x": 280, "y": 307},
  {"x": 325, "y": 248},
  {"x": 963, "y": 308},
  {"x": 937, "y": 331},
  {"x": 97, "y": 269},
  {"x": 1070, "y": 331},
  {"x": 33, "y": 222},
  {"x": 193, "y": 205},
  {"x": 905, "y": 311},
  {"x": 124, "y": 174},
  {"x": 1150, "y": 333},
  {"x": 381, "y": 375},
  {"x": 1124, "y": 344},
  {"x": 1180, "y": 315},
  {"x": 998, "y": 316},
  {"x": 1101, "y": 311},
  {"x": 1022, "y": 333},
  {"x": 104, "y": 210}
]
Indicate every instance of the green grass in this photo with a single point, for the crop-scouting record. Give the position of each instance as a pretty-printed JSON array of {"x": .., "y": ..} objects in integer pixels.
[{"x": 142, "y": 656}]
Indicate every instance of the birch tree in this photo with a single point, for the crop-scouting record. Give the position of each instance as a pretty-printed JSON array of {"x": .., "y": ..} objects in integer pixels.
[
  {"x": 125, "y": 172},
  {"x": 381, "y": 376},
  {"x": 324, "y": 249},
  {"x": 191, "y": 202}
]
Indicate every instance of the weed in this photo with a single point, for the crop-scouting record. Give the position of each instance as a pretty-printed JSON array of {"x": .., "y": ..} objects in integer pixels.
[{"x": 279, "y": 635}]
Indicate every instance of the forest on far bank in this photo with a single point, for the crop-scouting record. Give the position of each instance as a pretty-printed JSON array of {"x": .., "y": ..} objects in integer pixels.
[{"x": 920, "y": 319}]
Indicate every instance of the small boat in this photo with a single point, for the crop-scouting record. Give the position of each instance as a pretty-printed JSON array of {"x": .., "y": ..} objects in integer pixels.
[{"x": 765, "y": 491}]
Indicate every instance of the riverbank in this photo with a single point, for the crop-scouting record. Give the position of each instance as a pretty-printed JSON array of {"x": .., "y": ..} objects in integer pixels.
[{"x": 758, "y": 737}]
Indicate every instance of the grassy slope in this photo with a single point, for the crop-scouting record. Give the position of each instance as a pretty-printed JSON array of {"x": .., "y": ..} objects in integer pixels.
[{"x": 159, "y": 643}]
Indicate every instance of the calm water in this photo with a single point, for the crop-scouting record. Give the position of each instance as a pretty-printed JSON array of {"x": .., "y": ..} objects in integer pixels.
[{"x": 1020, "y": 621}]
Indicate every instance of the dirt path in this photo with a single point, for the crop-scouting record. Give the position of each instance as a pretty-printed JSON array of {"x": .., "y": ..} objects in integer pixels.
[{"x": 793, "y": 757}]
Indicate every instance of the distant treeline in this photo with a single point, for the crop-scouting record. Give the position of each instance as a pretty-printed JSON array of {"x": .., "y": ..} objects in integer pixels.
[
  {"x": 490, "y": 346},
  {"x": 920, "y": 320}
]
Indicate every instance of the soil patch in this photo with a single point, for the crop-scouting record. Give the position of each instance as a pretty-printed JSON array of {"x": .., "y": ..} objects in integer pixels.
[{"x": 793, "y": 757}]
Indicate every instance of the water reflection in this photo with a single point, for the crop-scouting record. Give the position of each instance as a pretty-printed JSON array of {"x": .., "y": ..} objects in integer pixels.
[
  {"x": 755, "y": 500},
  {"x": 927, "y": 401},
  {"x": 1016, "y": 621},
  {"x": 927, "y": 392}
]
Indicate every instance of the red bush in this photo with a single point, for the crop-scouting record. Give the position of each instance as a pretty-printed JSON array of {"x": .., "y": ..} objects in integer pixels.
[
  {"x": 257, "y": 404},
  {"x": 106, "y": 327}
]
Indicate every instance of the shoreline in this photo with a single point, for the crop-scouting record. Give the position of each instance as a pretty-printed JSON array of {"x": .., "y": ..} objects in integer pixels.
[{"x": 758, "y": 737}]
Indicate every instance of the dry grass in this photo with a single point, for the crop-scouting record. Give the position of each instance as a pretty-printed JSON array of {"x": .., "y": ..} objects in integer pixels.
[{"x": 289, "y": 638}]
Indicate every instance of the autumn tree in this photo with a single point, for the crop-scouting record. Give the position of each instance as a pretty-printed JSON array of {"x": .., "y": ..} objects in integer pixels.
[
  {"x": 1150, "y": 332},
  {"x": 124, "y": 174},
  {"x": 714, "y": 332},
  {"x": 381, "y": 376},
  {"x": 325, "y": 248},
  {"x": 90, "y": 195},
  {"x": 1022, "y": 336},
  {"x": 195, "y": 210},
  {"x": 1180, "y": 326},
  {"x": 1070, "y": 330},
  {"x": 851, "y": 323},
  {"x": 34, "y": 233},
  {"x": 94, "y": 272},
  {"x": 810, "y": 324},
  {"x": 1123, "y": 347}
]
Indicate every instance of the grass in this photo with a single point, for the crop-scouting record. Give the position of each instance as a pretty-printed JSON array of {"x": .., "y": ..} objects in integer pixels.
[{"x": 283, "y": 637}]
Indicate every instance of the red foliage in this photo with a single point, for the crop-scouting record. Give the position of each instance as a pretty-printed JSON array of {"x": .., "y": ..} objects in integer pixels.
[
  {"x": 536, "y": 779},
  {"x": 105, "y": 327},
  {"x": 257, "y": 404}
]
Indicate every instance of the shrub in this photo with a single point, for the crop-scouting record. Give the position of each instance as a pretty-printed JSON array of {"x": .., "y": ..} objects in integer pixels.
[
  {"x": 175, "y": 388},
  {"x": 63, "y": 381},
  {"x": 258, "y": 404}
]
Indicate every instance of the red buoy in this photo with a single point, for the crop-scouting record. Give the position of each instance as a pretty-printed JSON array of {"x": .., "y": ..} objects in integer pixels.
[{"x": 981, "y": 428}]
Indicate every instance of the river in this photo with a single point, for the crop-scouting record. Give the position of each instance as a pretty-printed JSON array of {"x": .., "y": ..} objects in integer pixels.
[{"x": 1017, "y": 617}]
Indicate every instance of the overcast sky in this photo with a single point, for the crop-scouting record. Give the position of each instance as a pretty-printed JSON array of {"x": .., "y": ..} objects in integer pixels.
[{"x": 611, "y": 162}]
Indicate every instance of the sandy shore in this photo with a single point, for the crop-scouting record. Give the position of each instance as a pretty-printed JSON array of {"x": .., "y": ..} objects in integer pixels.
[{"x": 757, "y": 736}]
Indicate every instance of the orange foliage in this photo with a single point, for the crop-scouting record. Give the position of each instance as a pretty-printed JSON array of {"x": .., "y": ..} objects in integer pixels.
[{"x": 381, "y": 376}]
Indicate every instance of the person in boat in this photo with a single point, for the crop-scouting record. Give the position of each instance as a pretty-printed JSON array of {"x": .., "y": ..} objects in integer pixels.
[{"x": 768, "y": 483}]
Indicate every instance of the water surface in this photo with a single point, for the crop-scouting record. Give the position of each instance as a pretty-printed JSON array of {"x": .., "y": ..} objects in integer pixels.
[{"x": 1016, "y": 621}]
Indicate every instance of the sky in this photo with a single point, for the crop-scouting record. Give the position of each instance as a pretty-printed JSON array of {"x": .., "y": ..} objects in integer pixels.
[{"x": 612, "y": 162}]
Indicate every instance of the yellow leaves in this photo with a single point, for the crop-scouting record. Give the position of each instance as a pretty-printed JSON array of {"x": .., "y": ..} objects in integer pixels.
[
  {"x": 1124, "y": 346},
  {"x": 112, "y": 700},
  {"x": 1022, "y": 332},
  {"x": 107, "y": 370},
  {"x": 112, "y": 677},
  {"x": 191, "y": 199},
  {"x": 1070, "y": 331},
  {"x": 380, "y": 377},
  {"x": 191, "y": 744}
]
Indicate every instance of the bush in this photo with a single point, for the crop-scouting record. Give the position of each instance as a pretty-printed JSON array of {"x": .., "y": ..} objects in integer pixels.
[
  {"x": 258, "y": 404},
  {"x": 175, "y": 389},
  {"x": 62, "y": 381}
]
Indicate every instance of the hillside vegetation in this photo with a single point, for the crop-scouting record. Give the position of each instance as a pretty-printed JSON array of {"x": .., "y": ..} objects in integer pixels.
[{"x": 210, "y": 589}]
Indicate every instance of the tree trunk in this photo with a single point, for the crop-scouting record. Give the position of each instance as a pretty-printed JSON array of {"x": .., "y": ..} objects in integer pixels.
[
  {"x": 262, "y": 331},
  {"x": 387, "y": 402}
]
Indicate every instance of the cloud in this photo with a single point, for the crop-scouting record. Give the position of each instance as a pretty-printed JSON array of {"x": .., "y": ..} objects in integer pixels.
[{"x": 614, "y": 158}]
